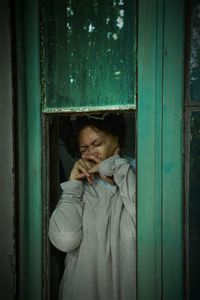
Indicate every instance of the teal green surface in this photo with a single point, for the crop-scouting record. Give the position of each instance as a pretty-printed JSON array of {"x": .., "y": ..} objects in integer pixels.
[
  {"x": 29, "y": 148},
  {"x": 173, "y": 96},
  {"x": 89, "y": 55},
  {"x": 149, "y": 149},
  {"x": 34, "y": 212},
  {"x": 160, "y": 105}
]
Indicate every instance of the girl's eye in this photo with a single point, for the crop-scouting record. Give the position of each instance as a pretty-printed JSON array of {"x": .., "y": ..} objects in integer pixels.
[
  {"x": 82, "y": 151},
  {"x": 98, "y": 144}
]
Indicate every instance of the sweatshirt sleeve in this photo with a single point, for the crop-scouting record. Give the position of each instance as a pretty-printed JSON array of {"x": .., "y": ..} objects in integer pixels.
[
  {"x": 124, "y": 178},
  {"x": 65, "y": 226}
]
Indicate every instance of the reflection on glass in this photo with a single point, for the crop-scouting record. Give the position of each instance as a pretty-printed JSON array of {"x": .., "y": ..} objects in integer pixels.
[
  {"x": 195, "y": 52},
  {"x": 194, "y": 207},
  {"x": 89, "y": 53}
]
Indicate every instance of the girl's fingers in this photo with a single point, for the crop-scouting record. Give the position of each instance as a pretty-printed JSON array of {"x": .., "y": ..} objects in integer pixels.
[
  {"x": 94, "y": 169},
  {"x": 92, "y": 158},
  {"x": 81, "y": 176},
  {"x": 82, "y": 169},
  {"x": 89, "y": 178},
  {"x": 86, "y": 164}
]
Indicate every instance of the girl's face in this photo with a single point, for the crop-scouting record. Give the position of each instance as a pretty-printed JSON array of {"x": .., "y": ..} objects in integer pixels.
[{"x": 95, "y": 142}]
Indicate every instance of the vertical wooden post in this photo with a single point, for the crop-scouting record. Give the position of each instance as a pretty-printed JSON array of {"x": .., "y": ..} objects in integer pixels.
[
  {"x": 172, "y": 207},
  {"x": 150, "y": 64},
  {"x": 29, "y": 149},
  {"x": 160, "y": 98}
]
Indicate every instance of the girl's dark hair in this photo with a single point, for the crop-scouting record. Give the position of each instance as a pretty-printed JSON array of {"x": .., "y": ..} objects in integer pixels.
[{"x": 110, "y": 123}]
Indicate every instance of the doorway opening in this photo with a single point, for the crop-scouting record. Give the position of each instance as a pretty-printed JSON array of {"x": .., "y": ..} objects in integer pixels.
[{"x": 57, "y": 167}]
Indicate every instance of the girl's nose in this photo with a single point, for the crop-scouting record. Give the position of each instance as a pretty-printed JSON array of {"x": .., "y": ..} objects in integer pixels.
[{"x": 91, "y": 150}]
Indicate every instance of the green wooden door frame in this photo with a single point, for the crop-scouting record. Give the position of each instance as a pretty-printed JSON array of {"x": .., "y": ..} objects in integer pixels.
[
  {"x": 29, "y": 282},
  {"x": 160, "y": 159},
  {"x": 160, "y": 98}
]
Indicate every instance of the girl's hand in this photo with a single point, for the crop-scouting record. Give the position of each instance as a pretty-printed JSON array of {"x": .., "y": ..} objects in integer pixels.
[
  {"x": 95, "y": 168},
  {"x": 81, "y": 170},
  {"x": 95, "y": 163}
]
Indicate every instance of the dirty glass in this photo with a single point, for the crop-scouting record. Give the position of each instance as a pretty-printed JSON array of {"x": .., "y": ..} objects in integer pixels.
[
  {"x": 195, "y": 52},
  {"x": 88, "y": 54},
  {"x": 194, "y": 206}
]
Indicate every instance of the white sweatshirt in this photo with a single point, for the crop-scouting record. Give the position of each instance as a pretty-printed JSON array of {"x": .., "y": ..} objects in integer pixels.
[{"x": 96, "y": 225}]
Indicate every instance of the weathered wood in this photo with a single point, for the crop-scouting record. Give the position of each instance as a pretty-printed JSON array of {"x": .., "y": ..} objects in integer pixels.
[
  {"x": 150, "y": 49},
  {"x": 173, "y": 91},
  {"x": 89, "y": 55},
  {"x": 29, "y": 140},
  {"x": 160, "y": 104}
]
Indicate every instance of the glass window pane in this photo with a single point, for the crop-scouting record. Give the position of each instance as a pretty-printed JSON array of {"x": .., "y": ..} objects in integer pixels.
[
  {"x": 89, "y": 54},
  {"x": 195, "y": 52},
  {"x": 194, "y": 207}
]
